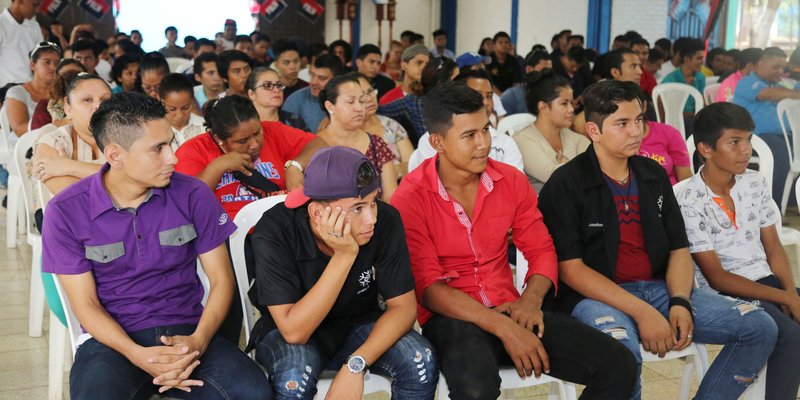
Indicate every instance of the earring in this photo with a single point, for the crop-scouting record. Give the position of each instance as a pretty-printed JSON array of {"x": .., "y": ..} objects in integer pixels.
[{"x": 330, "y": 112}]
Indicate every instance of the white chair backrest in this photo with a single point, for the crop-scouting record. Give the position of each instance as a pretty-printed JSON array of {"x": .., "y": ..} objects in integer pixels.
[
  {"x": 673, "y": 97},
  {"x": 691, "y": 148},
  {"x": 789, "y": 116},
  {"x": 176, "y": 63},
  {"x": 521, "y": 271},
  {"x": 24, "y": 144},
  {"x": 712, "y": 79},
  {"x": 5, "y": 130},
  {"x": 511, "y": 124},
  {"x": 245, "y": 220},
  {"x": 789, "y": 83},
  {"x": 710, "y": 92},
  {"x": 415, "y": 160},
  {"x": 766, "y": 162}
]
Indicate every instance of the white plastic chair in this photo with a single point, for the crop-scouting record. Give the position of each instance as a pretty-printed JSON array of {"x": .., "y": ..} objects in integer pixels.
[
  {"x": 673, "y": 97},
  {"x": 176, "y": 63},
  {"x": 415, "y": 160},
  {"x": 789, "y": 111},
  {"x": 712, "y": 79},
  {"x": 14, "y": 213},
  {"x": 245, "y": 220},
  {"x": 691, "y": 148},
  {"x": 33, "y": 238},
  {"x": 511, "y": 124},
  {"x": 710, "y": 92}
]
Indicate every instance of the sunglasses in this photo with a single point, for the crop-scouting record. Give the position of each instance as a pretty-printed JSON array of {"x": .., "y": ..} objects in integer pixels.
[
  {"x": 45, "y": 45},
  {"x": 271, "y": 85}
]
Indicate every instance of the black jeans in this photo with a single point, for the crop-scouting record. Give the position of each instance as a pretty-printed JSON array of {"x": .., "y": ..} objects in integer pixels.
[
  {"x": 469, "y": 358},
  {"x": 782, "y": 377}
]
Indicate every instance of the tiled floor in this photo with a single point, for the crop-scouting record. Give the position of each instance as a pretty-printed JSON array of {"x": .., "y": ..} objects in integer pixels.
[{"x": 24, "y": 360}]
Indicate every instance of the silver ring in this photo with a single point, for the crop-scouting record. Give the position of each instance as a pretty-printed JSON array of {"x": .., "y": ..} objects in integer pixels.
[
  {"x": 689, "y": 336},
  {"x": 332, "y": 233}
]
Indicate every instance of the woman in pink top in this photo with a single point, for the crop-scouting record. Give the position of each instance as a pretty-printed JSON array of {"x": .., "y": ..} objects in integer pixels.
[{"x": 665, "y": 145}]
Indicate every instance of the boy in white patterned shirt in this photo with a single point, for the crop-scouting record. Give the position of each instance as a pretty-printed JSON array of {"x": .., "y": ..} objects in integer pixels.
[
  {"x": 177, "y": 94},
  {"x": 732, "y": 224}
]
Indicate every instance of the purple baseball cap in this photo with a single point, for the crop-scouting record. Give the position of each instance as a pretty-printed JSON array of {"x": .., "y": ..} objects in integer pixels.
[
  {"x": 471, "y": 58},
  {"x": 332, "y": 174}
]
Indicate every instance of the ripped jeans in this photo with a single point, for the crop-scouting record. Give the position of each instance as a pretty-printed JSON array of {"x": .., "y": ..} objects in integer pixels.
[
  {"x": 748, "y": 333},
  {"x": 294, "y": 369}
]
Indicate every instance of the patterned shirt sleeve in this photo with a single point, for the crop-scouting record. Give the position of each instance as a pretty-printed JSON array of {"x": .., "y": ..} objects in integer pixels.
[{"x": 768, "y": 211}]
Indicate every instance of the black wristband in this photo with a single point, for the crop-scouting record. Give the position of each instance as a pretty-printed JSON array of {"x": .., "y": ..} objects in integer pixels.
[{"x": 681, "y": 302}]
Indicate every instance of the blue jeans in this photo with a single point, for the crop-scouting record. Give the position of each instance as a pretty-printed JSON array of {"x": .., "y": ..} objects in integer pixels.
[
  {"x": 294, "y": 368},
  {"x": 100, "y": 372},
  {"x": 748, "y": 333}
]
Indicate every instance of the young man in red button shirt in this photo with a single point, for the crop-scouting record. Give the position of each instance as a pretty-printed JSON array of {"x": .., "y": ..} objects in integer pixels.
[{"x": 457, "y": 208}]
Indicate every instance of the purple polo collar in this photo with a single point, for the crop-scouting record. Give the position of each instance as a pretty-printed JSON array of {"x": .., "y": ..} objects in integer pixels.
[{"x": 99, "y": 199}]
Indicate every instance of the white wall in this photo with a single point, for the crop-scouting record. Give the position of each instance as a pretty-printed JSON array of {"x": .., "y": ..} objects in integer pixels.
[
  {"x": 477, "y": 19},
  {"x": 539, "y": 20},
  {"x": 648, "y": 17},
  {"x": 4, "y": 4}
]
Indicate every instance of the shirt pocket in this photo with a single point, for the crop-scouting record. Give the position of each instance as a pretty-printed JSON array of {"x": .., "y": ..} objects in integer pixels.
[
  {"x": 106, "y": 255},
  {"x": 175, "y": 249}
]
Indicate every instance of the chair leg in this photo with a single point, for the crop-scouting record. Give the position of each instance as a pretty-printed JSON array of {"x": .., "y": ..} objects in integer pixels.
[
  {"x": 787, "y": 188},
  {"x": 36, "y": 310},
  {"x": 557, "y": 391},
  {"x": 686, "y": 380},
  {"x": 58, "y": 348},
  {"x": 12, "y": 211}
]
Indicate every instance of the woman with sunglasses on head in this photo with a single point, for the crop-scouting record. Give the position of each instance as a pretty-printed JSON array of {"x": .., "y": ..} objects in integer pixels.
[
  {"x": 51, "y": 110},
  {"x": 344, "y": 101},
  {"x": 21, "y": 99},
  {"x": 265, "y": 89},
  {"x": 242, "y": 158},
  {"x": 385, "y": 128}
]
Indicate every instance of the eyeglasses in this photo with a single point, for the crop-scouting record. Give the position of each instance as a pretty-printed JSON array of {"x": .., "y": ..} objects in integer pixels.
[
  {"x": 45, "y": 45},
  {"x": 371, "y": 92},
  {"x": 271, "y": 85}
]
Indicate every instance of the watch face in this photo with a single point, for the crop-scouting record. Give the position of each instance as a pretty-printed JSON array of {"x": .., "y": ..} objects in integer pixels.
[{"x": 356, "y": 364}]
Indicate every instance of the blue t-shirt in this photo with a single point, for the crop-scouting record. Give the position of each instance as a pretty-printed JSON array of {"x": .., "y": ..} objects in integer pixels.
[
  {"x": 764, "y": 113},
  {"x": 513, "y": 100},
  {"x": 306, "y": 106},
  {"x": 699, "y": 84}
]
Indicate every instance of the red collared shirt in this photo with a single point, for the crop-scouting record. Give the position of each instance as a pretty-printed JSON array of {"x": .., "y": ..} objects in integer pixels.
[{"x": 471, "y": 255}]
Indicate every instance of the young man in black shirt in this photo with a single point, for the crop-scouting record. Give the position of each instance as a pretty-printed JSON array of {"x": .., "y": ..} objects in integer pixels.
[
  {"x": 368, "y": 62},
  {"x": 326, "y": 262},
  {"x": 504, "y": 67}
]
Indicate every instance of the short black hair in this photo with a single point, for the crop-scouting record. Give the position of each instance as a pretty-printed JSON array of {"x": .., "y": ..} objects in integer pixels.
[
  {"x": 227, "y": 57},
  {"x": 615, "y": 59},
  {"x": 499, "y": 35},
  {"x": 773, "y": 52},
  {"x": 578, "y": 37},
  {"x": 197, "y": 68},
  {"x": 153, "y": 61},
  {"x": 83, "y": 45},
  {"x": 189, "y": 39},
  {"x": 416, "y": 37},
  {"x": 577, "y": 54},
  {"x": 241, "y": 39},
  {"x": 654, "y": 55},
  {"x": 750, "y": 56},
  {"x": 128, "y": 47},
  {"x": 713, "y": 53},
  {"x": 119, "y": 119},
  {"x": 348, "y": 50},
  {"x": 543, "y": 86},
  {"x": 439, "y": 32},
  {"x": 436, "y": 71},
  {"x": 621, "y": 38},
  {"x": 224, "y": 115},
  {"x": 331, "y": 90},
  {"x": 69, "y": 61},
  {"x": 331, "y": 62},
  {"x": 170, "y": 28},
  {"x": 175, "y": 83},
  {"x": 366, "y": 50},
  {"x": 317, "y": 49},
  {"x": 261, "y": 37},
  {"x": 713, "y": 119},
  {"x": 640, "y": 42},
  {"x": 631, "y": 35},
  {"x": 136, "y": 31},
  {"x": 468, "y": 74},
  {"x": 282, "y": 46},
  {"x": 406, "y": 34},
  {"x": 204, "y": 42},
  {"x": 601, "y": 99},
  {"x": 120, "y": 64},
  {"x": 689, "y": 47},
  {"x": 535, "y": 57},
  {"x": 447, "y": 100}
]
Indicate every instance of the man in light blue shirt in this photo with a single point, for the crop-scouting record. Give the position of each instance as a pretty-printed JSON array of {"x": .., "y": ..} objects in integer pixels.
[
  {"x": 304, "y": 103},
  {"x": 760, "y": 93}
]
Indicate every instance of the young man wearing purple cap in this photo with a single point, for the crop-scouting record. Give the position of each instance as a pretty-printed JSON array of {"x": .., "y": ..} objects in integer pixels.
[
  {"x": 335, "y": 287},
  {"x": 125, "y": 243},
  {"x": 458, "y": 208}
]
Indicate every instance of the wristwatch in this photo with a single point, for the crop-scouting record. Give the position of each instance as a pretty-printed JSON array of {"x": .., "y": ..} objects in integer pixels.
[
  {"x": 293, "y": 163},
  {"x": 356, "y": 364}
]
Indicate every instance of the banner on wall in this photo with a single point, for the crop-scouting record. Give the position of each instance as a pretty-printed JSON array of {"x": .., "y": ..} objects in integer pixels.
[
  {"x": 311, "y": 10},
  {"x": 95, "y": 8},
  {"x": 272, "y": 9},
  {"x": 53, "y": 8}
]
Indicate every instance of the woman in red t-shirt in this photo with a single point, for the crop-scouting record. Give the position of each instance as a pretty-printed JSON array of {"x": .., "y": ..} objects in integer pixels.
[
  {"x": 242, "y": 159},
  {"x": 344, "y": 101}
]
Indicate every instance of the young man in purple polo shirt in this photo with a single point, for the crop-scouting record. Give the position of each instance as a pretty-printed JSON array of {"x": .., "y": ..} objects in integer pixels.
[{"x": 124, "y": 244}]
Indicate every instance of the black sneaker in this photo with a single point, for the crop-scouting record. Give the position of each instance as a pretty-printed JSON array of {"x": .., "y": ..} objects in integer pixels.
[{"x": 5, "y": 201}]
